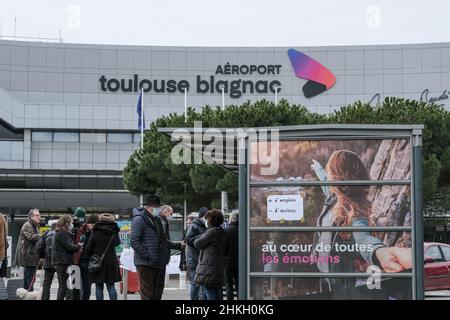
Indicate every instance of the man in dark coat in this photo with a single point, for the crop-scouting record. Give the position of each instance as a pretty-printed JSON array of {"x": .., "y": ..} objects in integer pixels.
[
  {"x": 232, "y": 256},
  {"x": 103, "y": 240},
  {"x": 26, "y": 254},
  {"x": 82, "y": 258},
  {"x": 150, "y": 247},
  {"x": 196, "y": 229}
]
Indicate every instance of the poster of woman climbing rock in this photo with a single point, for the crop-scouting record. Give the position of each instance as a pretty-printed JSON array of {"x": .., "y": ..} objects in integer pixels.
[{"x": 348, "y": 190}]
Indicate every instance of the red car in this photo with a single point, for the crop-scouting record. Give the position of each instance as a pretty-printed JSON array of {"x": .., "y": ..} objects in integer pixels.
[{"x": 437, "y": 266}]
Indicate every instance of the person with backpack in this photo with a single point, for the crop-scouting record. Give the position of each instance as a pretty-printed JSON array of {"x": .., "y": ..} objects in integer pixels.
[
  {"x": 102, "y": 243},
  {"x": 78, "y": 217},
  {"x": 194, "y": 232},
  {"x": 26, "y": 255},
  {"x": 44, "y": 251}
]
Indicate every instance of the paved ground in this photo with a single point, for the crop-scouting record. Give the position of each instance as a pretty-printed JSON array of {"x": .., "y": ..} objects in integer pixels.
[
  {"x": 173, "y": 290},
  {"x": 176, "y": 290}
]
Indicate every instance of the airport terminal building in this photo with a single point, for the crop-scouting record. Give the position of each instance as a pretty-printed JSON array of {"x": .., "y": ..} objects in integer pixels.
[{"x": 68, "y": 111}]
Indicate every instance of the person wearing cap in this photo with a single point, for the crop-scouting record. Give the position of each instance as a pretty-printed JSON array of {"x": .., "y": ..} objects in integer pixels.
[
  {"x": 103, "y": 240},
  {"x": 82, "y": 258},
  {"x": 63, "y": 249},
  {"x": 150, "y": 245},
  {"x": 182, "y": 265},
  {"x": 194, "y": 232}
]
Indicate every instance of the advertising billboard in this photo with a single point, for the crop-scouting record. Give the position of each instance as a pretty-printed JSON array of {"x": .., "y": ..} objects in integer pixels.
[{"x": 124, "y": 235}]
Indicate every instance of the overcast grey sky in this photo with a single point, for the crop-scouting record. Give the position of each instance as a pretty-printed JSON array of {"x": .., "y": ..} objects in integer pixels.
[{"x": 230, "y": 22}]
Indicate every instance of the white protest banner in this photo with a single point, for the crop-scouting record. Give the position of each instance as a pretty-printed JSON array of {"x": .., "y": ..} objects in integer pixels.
[
  {"x": 285, "y": 207},
  {"x": 8, "y": 251},
  {"x": 127, "y": 259}
]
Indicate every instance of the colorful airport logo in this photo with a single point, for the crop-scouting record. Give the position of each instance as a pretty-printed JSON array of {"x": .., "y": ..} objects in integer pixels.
[{"x": 319, "y": 78}]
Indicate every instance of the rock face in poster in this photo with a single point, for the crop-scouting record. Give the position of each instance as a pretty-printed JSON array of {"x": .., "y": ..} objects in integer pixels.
[
  {"x": 285, "y": 207},
  {"x": 391, "y": 204}
]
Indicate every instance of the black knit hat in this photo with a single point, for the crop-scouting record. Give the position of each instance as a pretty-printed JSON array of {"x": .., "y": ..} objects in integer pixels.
[
  {"x": 92, "y": 219},
  {"x": 152, "y": 200}
]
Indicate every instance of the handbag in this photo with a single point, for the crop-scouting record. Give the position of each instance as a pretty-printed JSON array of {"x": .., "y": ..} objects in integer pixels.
[
  {"x": 95, "y": 261},
  {"x": 4, "y": 268}
]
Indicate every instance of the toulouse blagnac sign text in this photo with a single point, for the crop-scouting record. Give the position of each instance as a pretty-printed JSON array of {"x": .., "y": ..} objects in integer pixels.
[
  {"x": 424, "y": 97},
  {"x": 319, "y": 79},
  {"x": 234, "y": 88}
]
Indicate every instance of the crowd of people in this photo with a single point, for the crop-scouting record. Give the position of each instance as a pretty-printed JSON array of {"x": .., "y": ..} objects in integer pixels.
[{"x": 209, "y": 252}]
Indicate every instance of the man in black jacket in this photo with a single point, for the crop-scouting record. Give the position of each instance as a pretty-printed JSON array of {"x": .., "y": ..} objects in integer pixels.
[
  {"x": 149, "y": 245},
  {"x": 165, "y": 214},
  {"x": 196, "y": 229},
  {"x": 182, "y": 265},
  {"x": 232, "y": 256}
]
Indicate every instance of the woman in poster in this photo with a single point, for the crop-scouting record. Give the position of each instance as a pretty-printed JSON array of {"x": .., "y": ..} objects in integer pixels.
[{"x": 348, "y": 206}]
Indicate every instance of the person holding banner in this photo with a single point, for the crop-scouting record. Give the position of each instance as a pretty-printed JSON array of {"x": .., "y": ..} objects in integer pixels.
[
  {"x": 26, "y": 254},
  {"x": 194, "y": 232}
]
